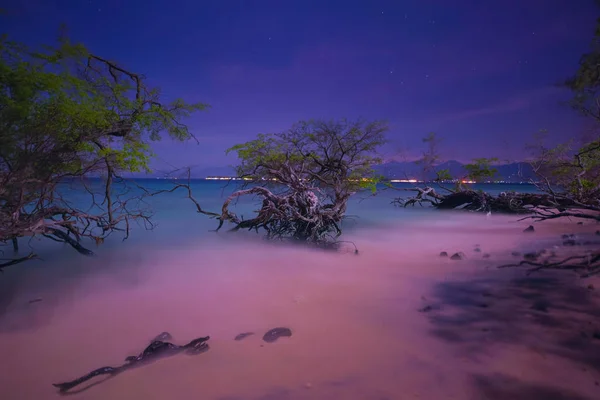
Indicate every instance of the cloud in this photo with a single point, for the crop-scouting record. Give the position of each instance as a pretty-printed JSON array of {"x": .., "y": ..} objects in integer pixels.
[{"x": 517, "y": 103}]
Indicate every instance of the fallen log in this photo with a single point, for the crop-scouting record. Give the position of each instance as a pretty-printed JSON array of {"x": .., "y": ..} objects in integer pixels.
[{"x": 474, "y": 200}]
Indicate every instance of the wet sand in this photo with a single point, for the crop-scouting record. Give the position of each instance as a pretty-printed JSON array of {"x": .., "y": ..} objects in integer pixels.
[{"x": 357, "y": 329}]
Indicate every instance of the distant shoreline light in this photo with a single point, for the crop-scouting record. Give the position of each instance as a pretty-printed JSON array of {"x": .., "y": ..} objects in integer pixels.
[
  {"x": 411, "y": 180},
  {"x": 405, "y": 181},
  {"x": 226, "y": 178}
]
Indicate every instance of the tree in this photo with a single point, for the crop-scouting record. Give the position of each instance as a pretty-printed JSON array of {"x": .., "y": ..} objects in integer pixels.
[
  {"x": 305, "y": 177},
  {"x": 570, "y": 173},
  {"x": 478, "y": 170},
  {"x": 570, "y": 176},
  {"x": 68, "y": 115},
  {"x": 481, "y": 169},
  {"x": 431, "y": 156},
  {"x": 585, "y": 83}
]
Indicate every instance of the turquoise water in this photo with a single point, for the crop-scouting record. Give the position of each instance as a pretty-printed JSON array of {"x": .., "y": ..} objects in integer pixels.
[{"x": 176, "y": 220}]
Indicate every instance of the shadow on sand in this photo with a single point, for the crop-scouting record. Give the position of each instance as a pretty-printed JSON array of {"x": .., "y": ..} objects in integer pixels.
[
  {"x": 548, "y": 313},
  {"x": 501, "y": 387}
]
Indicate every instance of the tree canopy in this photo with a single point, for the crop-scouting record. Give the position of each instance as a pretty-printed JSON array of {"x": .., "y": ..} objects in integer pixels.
[
  {"x": 585, "y": 83},
  {"x": 570, "y": 171},
  {"x": 67, "y": 114}
]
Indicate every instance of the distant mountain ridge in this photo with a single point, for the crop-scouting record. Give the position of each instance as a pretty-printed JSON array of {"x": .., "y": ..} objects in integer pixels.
[{"x": 513, "y": 172}]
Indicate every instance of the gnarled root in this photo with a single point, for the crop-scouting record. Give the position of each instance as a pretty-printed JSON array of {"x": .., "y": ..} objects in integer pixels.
[{"x": 295, "y": 215}]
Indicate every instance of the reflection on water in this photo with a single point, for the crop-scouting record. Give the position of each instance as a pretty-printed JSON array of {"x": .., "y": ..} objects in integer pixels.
[{"x": 357, "y": 331}]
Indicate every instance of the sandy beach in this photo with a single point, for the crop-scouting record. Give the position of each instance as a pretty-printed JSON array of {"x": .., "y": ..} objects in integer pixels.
[{"x": 396, "y": 321}]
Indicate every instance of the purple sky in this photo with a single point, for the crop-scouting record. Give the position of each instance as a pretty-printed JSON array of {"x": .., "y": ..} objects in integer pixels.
[{"x": 479, "y": 73}]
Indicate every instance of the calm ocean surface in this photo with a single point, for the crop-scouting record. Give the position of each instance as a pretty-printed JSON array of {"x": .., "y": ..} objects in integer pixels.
[{"x": 176, "y": 219}]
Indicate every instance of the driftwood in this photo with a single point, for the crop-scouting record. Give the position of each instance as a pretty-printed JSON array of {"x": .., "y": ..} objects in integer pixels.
[
  {"x": 157, "y": 349},
  {"x": 505, "y": 202},
  {"x": 539, "y": 206}
]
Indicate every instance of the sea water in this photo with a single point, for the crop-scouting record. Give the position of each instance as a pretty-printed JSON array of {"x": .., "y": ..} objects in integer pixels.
[{"x": 395, "y": 321}]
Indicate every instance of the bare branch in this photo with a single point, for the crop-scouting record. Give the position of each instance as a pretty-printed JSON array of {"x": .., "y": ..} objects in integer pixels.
[{"x": 15, "y": 261}]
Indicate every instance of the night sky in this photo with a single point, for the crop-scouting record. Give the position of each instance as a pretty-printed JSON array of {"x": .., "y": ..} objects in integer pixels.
[{"x": 481, "y": 74}]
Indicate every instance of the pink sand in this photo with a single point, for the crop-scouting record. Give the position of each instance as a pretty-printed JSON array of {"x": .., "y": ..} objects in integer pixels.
[{"x": 357, "y": 333}]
